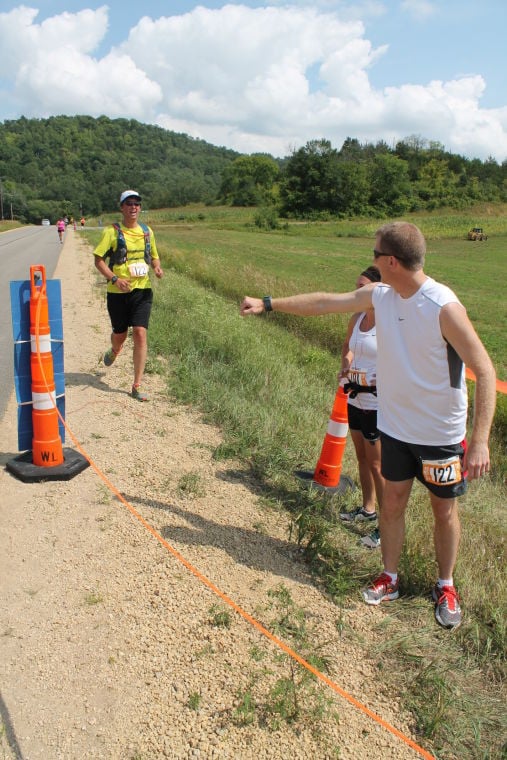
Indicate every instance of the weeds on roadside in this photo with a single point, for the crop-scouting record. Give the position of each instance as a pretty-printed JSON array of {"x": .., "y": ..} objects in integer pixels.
[
  {"x": 295, "y": 697},
  {"x": 190, "y": 484},
  {"x": 245, "y": 712},
  {"x": 219, "y": 616},
  {"x": 297, "y": 692},
  {"x": 103, "y": 494},
  {"x": 194, "y": 700},
  {"x": 105, "y": 522},
  {"x": 93, "y": 597}
]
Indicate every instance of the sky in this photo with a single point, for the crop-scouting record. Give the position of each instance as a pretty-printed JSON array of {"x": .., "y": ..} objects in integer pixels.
[{"x": 267, "y": 77}]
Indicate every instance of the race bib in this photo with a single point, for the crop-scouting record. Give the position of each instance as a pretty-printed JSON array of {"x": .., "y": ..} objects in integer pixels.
[
  {"x": 138, "y": 269},
  {"x": 358, "y": 377},
  {"x": 442, "y": 472}
]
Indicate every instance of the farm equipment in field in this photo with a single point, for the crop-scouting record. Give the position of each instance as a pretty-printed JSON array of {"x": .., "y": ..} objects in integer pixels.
[{"x": 477, "y": 233}]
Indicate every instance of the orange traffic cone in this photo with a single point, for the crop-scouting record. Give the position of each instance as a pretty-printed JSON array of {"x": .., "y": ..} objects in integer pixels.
[
  {"x": 327, "y": 475},
  {"x": 47, "y": 448},
  {"x": 329, "y": 467}
]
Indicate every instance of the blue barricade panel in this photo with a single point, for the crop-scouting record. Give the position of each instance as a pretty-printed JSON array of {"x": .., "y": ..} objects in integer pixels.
[{"x": 20, "y": 312}]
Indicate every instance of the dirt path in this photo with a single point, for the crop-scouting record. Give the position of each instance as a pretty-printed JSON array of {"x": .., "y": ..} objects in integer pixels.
[{"x": 107, "y": 647}]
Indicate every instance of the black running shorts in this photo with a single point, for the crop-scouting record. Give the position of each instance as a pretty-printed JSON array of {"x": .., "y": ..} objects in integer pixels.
[
  {"x": 130, "y": 309},
  {"x": 439, "y": 468},
  {"x": 364, "y": 420}
]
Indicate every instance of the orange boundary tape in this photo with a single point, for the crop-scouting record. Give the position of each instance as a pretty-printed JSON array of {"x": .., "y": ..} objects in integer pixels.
[
  {"x": 230, "y": 602},
  {"x": 501, "y": 385}
]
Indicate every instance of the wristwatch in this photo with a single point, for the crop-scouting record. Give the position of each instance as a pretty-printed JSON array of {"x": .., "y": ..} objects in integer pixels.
[
  {"x": 113, "y": 279},
  {"x": 267, "y": 303}
]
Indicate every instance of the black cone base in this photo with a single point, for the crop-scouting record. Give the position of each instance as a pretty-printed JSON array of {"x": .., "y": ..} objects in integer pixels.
[
  {"x": 343, "y": 485},
  {"x": 24, "y": 469}
]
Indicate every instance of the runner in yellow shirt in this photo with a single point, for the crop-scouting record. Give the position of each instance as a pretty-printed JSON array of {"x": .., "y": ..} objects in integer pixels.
[{"x": 131, "y": 251}]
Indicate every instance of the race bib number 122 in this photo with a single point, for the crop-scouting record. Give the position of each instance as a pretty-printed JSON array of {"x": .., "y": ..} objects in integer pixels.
[{"x": 442, "y": 472}]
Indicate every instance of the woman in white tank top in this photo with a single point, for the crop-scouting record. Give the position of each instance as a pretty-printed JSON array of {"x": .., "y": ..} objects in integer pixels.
[{"x": 358, "y": 369}]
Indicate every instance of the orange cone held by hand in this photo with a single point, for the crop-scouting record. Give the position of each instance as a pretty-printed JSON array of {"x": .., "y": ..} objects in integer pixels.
[{"x": 328, "y": 470}]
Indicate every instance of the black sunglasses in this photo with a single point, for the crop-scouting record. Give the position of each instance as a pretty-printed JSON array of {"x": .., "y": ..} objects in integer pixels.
[
  {"x": 132, "y": 203},
  {"x": 378, "y": 254}
]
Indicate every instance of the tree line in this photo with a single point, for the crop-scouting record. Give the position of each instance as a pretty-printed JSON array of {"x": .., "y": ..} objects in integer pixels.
[
  {"x": 319, "y": 181},
  {"x": 78, "y": 165}
]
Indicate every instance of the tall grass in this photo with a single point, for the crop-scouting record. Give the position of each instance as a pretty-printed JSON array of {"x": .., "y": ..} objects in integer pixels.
[{"x": 269, "y": 383}]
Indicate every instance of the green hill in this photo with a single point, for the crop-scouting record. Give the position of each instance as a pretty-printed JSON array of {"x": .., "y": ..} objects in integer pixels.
[{"x": 78, "y": 165}]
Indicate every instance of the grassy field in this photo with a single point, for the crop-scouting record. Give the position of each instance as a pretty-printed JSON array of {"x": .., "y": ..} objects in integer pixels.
[
  {"x": 7, "y": 224},
  {"x": 269, "y": 383}
]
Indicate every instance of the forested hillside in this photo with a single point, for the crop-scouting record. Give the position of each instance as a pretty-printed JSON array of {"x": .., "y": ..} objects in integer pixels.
[{"x": 78, "y": 164}]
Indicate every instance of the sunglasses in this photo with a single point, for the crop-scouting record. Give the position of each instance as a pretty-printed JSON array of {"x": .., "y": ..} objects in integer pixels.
[
  {"x": 378, "y": 254},
  {"x": 132, "y": 203}
]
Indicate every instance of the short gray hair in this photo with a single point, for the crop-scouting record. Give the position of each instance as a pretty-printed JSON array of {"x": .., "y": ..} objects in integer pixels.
[{"x": 405, "y": 242}]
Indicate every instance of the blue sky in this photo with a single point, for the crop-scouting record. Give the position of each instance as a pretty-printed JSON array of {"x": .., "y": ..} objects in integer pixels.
[{"x": 267, "y": 76}]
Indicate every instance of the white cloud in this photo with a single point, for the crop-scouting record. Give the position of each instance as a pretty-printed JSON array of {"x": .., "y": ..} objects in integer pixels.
[
  {"x": 56, "y": 73},
  {"x": 448, "y": 112},
  {"x": 263, "y": 79},
  {"x": 24, "y": 41},
  {"x": 419, "y": 9},
  {"x": 237, "y": 59},
  {"x": 250, "y": 68}
]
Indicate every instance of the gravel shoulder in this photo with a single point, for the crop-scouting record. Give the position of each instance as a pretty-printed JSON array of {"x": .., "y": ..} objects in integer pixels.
[{"x": 105, "y": 636}]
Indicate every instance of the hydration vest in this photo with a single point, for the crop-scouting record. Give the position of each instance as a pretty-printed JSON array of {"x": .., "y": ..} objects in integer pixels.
[{"x": 119, "y": 256}]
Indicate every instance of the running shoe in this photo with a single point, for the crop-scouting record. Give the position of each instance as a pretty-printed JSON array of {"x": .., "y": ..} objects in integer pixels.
[
  {"x": 372, "y": 540},
  {"x": 109, "y": 357},
  {"x": 447, "y": 609},
  {"x": 358, "y": 515},
  {"x": 139, "y": 394},
  {"x": 381, "y": 590}
]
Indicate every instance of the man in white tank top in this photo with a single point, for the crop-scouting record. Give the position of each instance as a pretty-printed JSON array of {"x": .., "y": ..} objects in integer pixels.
[{"x": 424, "y": 340}]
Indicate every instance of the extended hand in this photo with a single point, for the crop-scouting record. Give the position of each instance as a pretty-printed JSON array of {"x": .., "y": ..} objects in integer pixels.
[{"x": 251, "y": 306}]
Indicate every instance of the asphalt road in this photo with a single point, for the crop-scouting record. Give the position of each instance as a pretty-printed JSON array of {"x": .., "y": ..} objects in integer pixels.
[{"x": 19, "y": 250}]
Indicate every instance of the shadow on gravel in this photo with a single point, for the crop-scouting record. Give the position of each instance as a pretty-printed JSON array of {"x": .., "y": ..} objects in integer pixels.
[
  {"x": 247, "y": 547},
  {"x": 244, "y": 477},
  {"x": 10, "y": 734},
  {"x": 89, "y": 380},
  {"x": 5, "y": 457}
]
